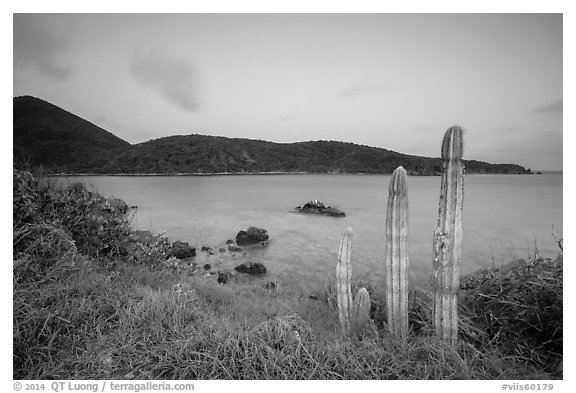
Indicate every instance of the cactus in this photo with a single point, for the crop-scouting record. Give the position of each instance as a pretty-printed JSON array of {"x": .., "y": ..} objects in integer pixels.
[
  {"x": 343, "y": 274},
  {"x": 360, "y": 315},
  {"x": 448, "y": 238},
  {"x": 397, "y": 254}
]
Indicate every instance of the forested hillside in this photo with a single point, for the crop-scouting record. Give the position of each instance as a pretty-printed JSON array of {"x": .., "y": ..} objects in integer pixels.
[
  {"x": 209, "y": 154},
  {"x": 61, "y": 142}
]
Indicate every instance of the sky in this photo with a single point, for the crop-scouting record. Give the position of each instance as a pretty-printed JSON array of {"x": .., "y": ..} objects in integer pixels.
[{"x": 395, "y": 81}]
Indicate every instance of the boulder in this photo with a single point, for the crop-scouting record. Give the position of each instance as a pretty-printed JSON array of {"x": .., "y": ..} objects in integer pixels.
[
  {"x": 181, "y": 250},
  {"x": 252, "y": 236},
  {"x": 318, "y": 207},
  {"x": 255, "y": 268}
]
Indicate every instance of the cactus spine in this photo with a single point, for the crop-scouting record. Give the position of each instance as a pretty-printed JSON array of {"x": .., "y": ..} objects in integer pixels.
[
  {"x": 448, "y": 238},
  {"x": 361, "y": 310},
  {"x": 397, "y": 254},
  {"x": 343, "y": 274}
]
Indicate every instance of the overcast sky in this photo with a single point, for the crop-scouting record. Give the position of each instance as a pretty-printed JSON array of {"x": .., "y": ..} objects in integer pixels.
[{"x": 396, "y": 81}]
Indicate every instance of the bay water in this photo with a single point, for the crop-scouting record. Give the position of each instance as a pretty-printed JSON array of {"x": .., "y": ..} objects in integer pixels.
[{"x": 505, "y": 217}]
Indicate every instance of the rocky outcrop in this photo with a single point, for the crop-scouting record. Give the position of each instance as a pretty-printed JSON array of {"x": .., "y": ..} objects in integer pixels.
[
  {"x": 252, "y": 236},
  {"x": 181, "y": 250},
  {"x": 318, "y": 207}
]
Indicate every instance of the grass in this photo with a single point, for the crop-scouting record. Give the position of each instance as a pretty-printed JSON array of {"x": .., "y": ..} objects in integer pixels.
[
  {"x": 520, "y": 307},
  {"x": 82, "y": 313}
]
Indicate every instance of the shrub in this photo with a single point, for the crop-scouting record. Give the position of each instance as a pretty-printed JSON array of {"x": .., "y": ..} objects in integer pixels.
[
  {"x": 50, "y": 219},
  {"x": 520, "y": 308},
  {"x": 98, "y": 225},
  {"x": 148, "y": 249},
  {"x": 25, "y": 198}
]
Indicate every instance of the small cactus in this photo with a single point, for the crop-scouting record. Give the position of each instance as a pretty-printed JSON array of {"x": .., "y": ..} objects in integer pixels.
[
  {"x": 397, "y": 254},
  {"x": 448, "y": 238},
  {"x": 343, "y": 274},
  {"x": 360, "y": 310}
]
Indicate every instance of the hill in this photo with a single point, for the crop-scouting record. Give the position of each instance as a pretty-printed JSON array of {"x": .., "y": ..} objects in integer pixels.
[
  {"x": 210, "y": 154},
  {"x": 47, "y": 135},
  {"x": 62, "y": 142}
]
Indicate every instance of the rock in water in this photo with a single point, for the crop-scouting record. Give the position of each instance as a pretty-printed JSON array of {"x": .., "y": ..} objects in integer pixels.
[
  {"x": 252, "y": 236},
  {"x": 255, "y": 268},
  {"x": 318, "y": 207}
]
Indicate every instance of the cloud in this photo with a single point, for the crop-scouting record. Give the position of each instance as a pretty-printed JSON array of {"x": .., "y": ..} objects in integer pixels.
[
  {"x": 366, "y": 89},
  {"x": 171, "y": 77},
  {"x": 555, "y": 107},
  {"x": 40, "y": 46}
]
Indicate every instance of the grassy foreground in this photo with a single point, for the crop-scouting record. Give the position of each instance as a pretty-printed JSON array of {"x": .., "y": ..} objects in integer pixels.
[{"x": 94, "y": 299}]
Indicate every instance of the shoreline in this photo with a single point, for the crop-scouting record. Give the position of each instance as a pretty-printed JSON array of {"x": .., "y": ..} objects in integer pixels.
[{"x": 81, "y": 288}]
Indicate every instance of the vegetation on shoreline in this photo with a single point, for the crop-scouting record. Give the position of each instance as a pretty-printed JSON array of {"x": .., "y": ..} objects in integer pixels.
[
  {"x": 94, "y": 299},
  {"x": 48, "y": 136}
]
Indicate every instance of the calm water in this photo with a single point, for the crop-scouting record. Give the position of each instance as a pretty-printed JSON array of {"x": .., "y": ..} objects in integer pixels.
[{"x": 503, "y": 216}]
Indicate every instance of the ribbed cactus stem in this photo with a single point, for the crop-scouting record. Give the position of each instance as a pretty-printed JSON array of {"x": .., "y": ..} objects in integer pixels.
[
  {"x": 448, "y": 238},
  {"x": 343, "y": 274},
  {"x": 397, "y": 254},
  {"x": 361, "y": 310}
]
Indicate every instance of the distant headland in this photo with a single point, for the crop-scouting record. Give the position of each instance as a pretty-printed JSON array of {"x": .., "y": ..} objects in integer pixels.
[{"x": 60, "y": 142}]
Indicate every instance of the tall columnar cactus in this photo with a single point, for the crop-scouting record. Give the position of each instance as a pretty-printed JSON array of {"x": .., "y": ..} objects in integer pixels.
[
  {"x": 397, "y": 254},
  {"x": 343, "y": 274},
  {"x": 360, "y": 310},
  {"x": 448, "y": 238}
]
